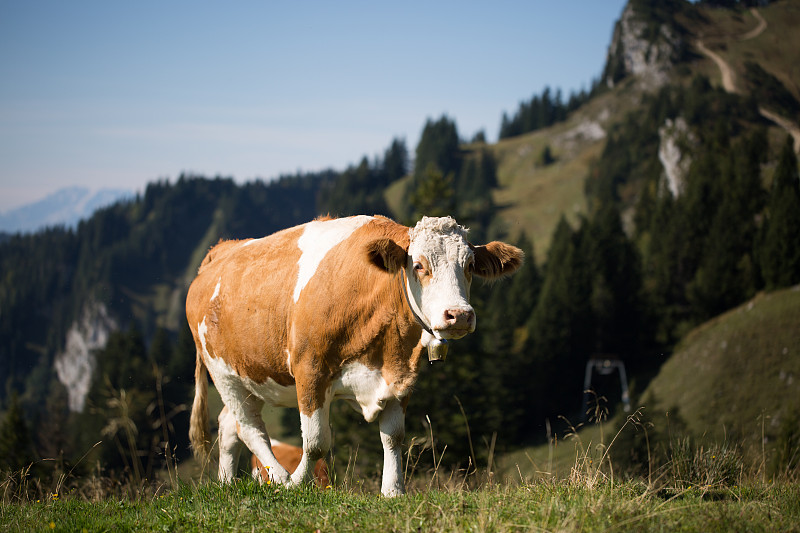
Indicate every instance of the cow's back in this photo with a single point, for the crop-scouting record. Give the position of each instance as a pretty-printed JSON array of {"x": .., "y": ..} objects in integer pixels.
[{"x": 238, "y": 304}]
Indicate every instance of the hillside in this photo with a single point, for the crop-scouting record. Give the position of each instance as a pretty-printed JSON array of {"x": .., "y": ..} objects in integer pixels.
[
  {"x": 731, "y": 381},
  {"x": 736, "y": 376}
]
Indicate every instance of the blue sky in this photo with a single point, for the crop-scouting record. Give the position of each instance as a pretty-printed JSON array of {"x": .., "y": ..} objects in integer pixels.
[{"x": 117, "y": 94}]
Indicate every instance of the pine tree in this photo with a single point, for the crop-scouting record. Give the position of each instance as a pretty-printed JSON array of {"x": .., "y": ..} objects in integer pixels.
[
  {"x": 433, "y": 195},
  {"x": 780, "y": 241},
  {"x": 560, "y": 328},
  {"x": 395, "y": 161},
  {"x": 616, "y": 285},
  {"x": 16, "y": 451},
  {"x": 726, "y": 274},
  {"x": 510, "y": 306}
]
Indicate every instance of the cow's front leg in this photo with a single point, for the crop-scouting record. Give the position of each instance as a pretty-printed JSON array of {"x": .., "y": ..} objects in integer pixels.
[
  {"x": 393, "y": 430},
  {"x": 316, "y": 429}
]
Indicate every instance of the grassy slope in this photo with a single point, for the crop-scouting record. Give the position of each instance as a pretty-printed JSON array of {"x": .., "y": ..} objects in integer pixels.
[
  {"x": 725, "y": 378},
  {"x": 543, "y": 506},
  {"x": 737, "y": 370}
]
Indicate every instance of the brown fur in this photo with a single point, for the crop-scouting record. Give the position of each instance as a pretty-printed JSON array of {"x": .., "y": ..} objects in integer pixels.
[
  {"x": 497, "y": 259},
  {"x": 289, "y": 457}
]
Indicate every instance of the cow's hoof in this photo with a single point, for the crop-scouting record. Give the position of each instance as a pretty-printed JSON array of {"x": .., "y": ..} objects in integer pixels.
[{"x": 393, "y": 492}]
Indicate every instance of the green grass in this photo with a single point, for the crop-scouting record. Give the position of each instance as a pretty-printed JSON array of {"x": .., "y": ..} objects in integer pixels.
[
  {"x": 737, "y": 375},
  {"x": 549, "y": 506}
]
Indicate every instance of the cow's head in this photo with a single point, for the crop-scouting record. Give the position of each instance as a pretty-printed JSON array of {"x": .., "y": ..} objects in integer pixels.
[{"x": 439, "y": 264}]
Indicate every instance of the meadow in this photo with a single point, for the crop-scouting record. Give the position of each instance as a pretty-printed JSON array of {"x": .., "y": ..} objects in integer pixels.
[
  {"x": 554, "y": 505},
  {"x": 707, "y": 488}
]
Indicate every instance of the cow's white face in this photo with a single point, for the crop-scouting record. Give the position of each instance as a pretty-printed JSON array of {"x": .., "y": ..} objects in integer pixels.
[
  {"x": 438, "y": 264},
  {"x": 439, "y": 271}
]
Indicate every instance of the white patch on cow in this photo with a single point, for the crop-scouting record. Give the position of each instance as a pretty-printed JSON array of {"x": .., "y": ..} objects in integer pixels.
[
  {"x": 444, "y": 244},
  {"x": 289, "y": 362},
  {"x": 252, "y": 241},
  {"x": 225, "y": 376},
  {"x": 318, "y": 238},
  {"x": 216, "y": 289},
  {"x": 363, "y": 387},
  {"x": 201, "y": 332}
]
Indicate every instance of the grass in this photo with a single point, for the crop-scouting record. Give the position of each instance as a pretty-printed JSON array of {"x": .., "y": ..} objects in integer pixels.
[
  {"x": 539, "y": 506},
  {"x": 736, "y": 375},
  {"x": 587, "y": 496}
]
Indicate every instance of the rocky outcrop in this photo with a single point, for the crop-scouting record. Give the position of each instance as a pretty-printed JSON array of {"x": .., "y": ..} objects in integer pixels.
[
  {"x": 673, "y": 152},
  {"x": 76, "y": 364},
  {"x": 642, "y": 47}
]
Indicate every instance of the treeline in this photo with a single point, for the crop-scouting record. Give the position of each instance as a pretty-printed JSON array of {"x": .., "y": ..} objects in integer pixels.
[
  {"x": 449, "y": 179},
  {"x": 118, "y": 257},
  {"x": 542, "y": 111}
]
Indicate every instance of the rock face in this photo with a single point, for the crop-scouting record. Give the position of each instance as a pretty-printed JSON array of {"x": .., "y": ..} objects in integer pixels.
[
  {"x": 674, "y": 135},
  {"x": 75, "y": 365},
  {"x": 646, "y": 49}
]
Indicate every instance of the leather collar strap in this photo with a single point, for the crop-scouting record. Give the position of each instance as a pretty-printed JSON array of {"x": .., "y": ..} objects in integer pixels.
[{"x": 413, "y": 305}]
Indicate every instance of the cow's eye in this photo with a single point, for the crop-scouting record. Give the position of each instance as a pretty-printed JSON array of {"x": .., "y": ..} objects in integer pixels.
[
  {"x": 418, "y": 267},
  {"x": 471, "y": 267}
]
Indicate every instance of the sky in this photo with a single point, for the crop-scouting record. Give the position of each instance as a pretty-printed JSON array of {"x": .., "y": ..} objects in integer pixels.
[{"x": 117, "y": 94}]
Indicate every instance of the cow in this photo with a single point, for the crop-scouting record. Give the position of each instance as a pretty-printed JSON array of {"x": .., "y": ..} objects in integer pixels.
[
  {"x": 287, "y": 455},
  {"x": 334, "y": 308}
]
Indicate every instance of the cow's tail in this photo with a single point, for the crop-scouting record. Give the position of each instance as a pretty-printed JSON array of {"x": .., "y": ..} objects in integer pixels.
[{"x": 199, "y": 432}]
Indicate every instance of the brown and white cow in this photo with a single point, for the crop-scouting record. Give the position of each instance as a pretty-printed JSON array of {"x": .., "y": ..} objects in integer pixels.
[{"x": 335, "y": 308}]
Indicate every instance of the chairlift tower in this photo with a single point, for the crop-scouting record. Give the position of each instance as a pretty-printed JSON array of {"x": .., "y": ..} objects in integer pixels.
[{"x": 604, "y": 365}]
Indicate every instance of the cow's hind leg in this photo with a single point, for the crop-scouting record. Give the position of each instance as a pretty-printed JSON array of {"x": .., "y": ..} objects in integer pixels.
[
  {"x": 246, "y": 409},
  {"x": 230, "y": 446},
  {"x": 392, "y": 424}
]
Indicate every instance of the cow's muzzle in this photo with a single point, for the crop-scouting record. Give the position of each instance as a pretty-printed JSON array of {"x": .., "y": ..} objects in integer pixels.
[{"x": 455, "y": 323}]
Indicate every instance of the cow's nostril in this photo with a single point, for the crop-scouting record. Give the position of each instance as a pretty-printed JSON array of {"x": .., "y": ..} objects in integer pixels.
[{"x": 459, "y": 318}]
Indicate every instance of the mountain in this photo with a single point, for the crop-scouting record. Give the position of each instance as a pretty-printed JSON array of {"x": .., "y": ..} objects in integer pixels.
[
  {"x": 646, "y": 207},
  {"x": 64, "y": 207}
]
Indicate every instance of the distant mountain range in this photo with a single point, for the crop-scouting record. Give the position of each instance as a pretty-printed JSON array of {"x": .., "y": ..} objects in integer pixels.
[{"x": 65, "y": 207}]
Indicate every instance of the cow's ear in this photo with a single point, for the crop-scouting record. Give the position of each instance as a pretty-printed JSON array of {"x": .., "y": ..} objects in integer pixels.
[
  {"x": 497, "y": 259},
  {"x": 386, "y": 254}
]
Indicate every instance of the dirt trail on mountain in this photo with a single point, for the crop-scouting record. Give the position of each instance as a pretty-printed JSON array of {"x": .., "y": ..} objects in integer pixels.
[
  {"x": 727, "y": 73},
  {"x": 729, "y": 79},
  {"x": 784, "y": 123},
  {"x": 758, "y": 30}
]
